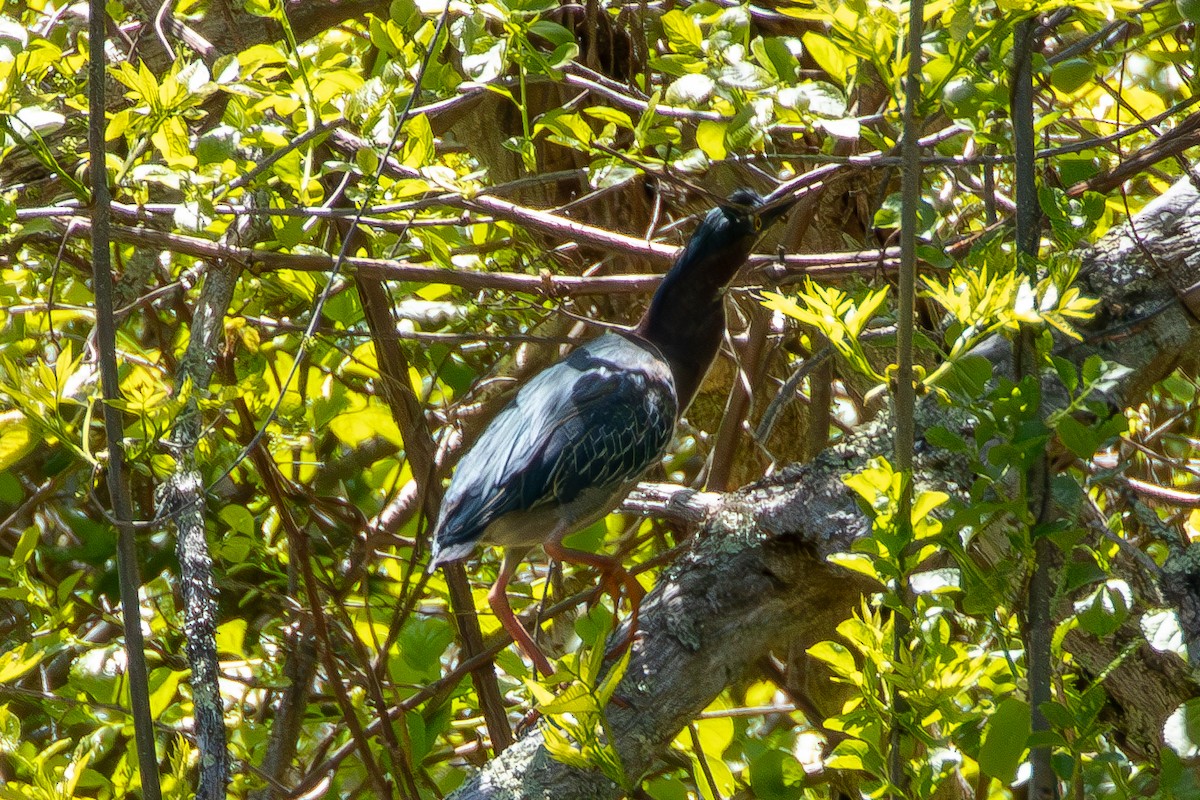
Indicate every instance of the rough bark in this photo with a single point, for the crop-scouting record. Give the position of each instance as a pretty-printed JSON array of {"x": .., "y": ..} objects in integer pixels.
[
  {"x": 756, "y": 579},
  {"x": 182, "y": 498}
]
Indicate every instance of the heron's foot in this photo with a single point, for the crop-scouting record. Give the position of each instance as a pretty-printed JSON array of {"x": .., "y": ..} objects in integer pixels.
[
  {"x": 613, "y": 581},
  {"x": 526, "y": 723},
  {"x": 618, "y": 649}
]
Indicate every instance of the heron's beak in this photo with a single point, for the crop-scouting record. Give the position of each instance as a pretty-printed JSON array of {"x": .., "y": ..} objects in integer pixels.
[{"x": 773, "y": 209}]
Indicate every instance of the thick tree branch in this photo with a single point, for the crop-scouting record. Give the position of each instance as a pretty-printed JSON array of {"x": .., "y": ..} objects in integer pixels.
[{"x": 182, "y": 498}]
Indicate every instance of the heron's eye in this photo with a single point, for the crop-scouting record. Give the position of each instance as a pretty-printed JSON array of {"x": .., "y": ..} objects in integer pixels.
[{"x": 757, "y": 224}]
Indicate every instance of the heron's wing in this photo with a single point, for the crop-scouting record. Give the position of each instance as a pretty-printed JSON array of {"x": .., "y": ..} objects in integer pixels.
[
  {"x": 621, "y": 425},
  {"x": 596, "y": 420}
]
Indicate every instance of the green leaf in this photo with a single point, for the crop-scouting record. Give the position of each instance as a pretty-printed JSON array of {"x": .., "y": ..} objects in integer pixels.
[
  {"x": 26, "y": 545},
  {"x": 552, "y": 32},
  {"x": 1004, "y": 739},
  {"x": 836, "y": 61},
  {"x": 968, "y": 376},
  {"x": 164, "y": 687},
  {"x": 575, "y": 699},
  {"x": 850, "y": 754},
  {"x": 722, "y": 777},
  {"x": 773, "y": 54},
  {"x": 676, "y": 64},
  {"x": 593, "y": 627},
  {"x": 614, "y": 115},
  {"x": 588, "y": 539},
  {"x": 682, "y": 32},
  {"x": 934, "y": 255},
  {"x": 423, "y": 641},
  {"x": 235, "y": 548},
  {"x": 856, "y": 562},
  {"x": 562, "y": 55},
  {"x": 945, "y": 439},
  {"x": 1072, "y": 74},
  {"x": 612, "y": 680},
  {"x": 1183, "y": 390},
  {"x": 418, "y": 147},
  {"x": 1058, "y": 715},
  {"x": 1066, "y": 372},
  {"x": 355, "y": 427},
  {"x": 565, "y": 128},
  {"x": 744, "y": 130},
  {"x": 889, "y": 214},
  {"x": 838, "y": 657},
  {"x": 1082, "y": 440},
  {"x": 560, "y": 749},
  {"x": 418, "y": 735},
  {"x": 927, "y": 502},
  {"x": 1105, "y": 610},
  {"x": 19, "y": 660},
  {"x": 238, "y": 518},
  {"x": 776, "y": 775},
  {"x": 667, "y": 787},
  {"x": 76, "y": 771},
  {"x": 715, "y": 733}
]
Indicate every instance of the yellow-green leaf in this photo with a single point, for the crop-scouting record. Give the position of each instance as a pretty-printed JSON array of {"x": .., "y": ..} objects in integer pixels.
[
  {"x": 418, "y": 148},
  {"x": 575, "y": 699},
  {"x": 682, "y": 32},
  {"x": 710, "y": 137},
  {"x": 836, "y": 61},
  {"x": 355, "y": 427},
  {"x": 839, "y": 659},
  {"x": 231, "y": 636},
  {"x": 17, "y": 438},
  {"x": 18, "y": 661}
]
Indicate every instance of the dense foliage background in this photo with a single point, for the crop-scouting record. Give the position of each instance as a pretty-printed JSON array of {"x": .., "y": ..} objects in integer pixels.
[{"x": 296, "y": 386}]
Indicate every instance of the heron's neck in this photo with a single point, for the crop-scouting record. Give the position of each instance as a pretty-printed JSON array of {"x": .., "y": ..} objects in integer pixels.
[{"x": 686, "y": 317}]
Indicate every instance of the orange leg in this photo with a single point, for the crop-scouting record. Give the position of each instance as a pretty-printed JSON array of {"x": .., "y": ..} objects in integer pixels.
[
  {"x": 612, "y": 577},
  {"x": 498, "y": 600}
]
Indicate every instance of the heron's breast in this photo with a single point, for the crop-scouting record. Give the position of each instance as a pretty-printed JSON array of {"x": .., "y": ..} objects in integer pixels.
[{"x": 535, "y": 526}]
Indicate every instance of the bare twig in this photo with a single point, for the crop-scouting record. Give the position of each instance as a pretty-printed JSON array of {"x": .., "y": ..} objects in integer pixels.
[
  {"x": 905, "y": 389},
  {"x": 772, "y": 267},
  {"x": 1039, "y": 624},
  {"x": 106, "y": 343}
]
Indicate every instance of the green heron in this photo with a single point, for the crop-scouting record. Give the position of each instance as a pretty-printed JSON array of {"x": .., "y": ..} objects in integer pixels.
[{"x": 578, "y": 436}]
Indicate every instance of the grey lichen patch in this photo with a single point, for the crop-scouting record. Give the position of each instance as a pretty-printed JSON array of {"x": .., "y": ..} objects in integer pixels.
[
  {"x": 1185, "y": 563},
  {"x": 817, "y": 510},
  {"x": 506, "y": 778},
  {"x": 680, "y": 618},
  {"x": 731, "y": 531}
]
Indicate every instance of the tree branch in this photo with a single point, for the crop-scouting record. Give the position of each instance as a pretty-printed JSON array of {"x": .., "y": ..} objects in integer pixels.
[
  {"x": 182, "y": 497},
  {"x": 129, "y": 576}
]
